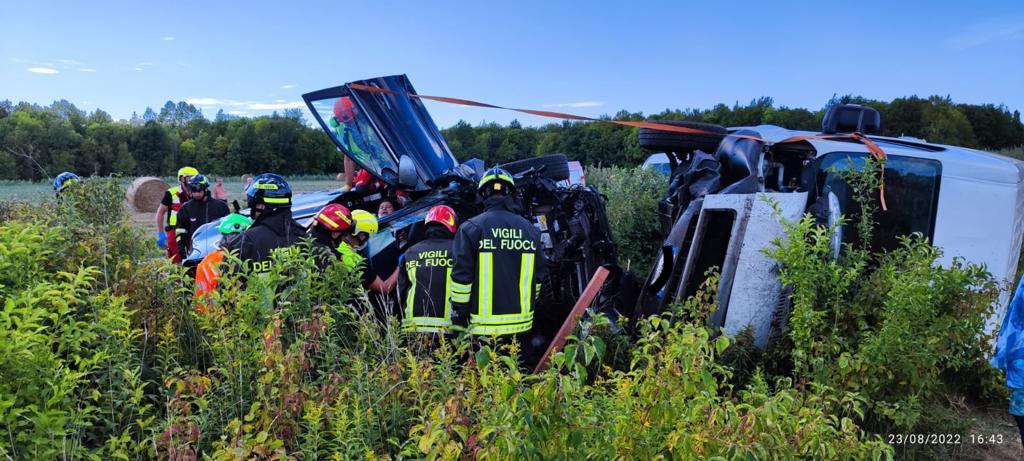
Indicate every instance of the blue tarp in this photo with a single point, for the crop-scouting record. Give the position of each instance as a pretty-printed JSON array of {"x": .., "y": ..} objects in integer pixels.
[{"x": 1010, "y": 347}]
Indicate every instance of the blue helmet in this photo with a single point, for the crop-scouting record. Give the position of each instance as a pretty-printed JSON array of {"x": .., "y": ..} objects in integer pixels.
[
  {"x": 198, "y": 182},
  {"x": 269, "y": 188},
  {"x": 63, "y": 180}
]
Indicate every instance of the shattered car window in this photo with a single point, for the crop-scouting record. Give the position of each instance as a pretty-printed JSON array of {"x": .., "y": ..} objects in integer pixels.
[{"x": 355, "y": 134}]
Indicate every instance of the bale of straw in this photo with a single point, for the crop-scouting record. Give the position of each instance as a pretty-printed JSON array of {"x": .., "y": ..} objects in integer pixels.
[{"x": 145, "y": 193}]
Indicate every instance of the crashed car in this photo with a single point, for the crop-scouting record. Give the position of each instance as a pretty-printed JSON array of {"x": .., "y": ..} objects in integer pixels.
[
  {"x": 394, "y": 138},
  {"x": 716, "y": 212}
]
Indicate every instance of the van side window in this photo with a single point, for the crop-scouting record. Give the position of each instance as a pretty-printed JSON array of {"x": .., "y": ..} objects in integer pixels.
[{"x": 911, "y": 193}]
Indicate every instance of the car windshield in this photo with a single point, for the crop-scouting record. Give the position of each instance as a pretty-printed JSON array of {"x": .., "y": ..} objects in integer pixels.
[{"x": 355, "y": 135}]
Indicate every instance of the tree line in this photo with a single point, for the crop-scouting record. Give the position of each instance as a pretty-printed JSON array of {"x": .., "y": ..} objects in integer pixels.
[
  {"x": 37, "y": 142},
  {"x": 936, "y": 119}
]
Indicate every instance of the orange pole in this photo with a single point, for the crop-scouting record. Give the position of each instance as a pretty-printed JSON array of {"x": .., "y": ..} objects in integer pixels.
[{"x": 589, "y": 293}]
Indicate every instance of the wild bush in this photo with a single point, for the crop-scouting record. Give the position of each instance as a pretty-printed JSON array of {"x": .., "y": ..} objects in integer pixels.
[
  {"x": 633, "y": 195},
  {"x": 885, "y": 325}
]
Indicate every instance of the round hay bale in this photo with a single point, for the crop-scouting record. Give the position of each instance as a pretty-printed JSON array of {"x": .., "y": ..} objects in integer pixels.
[{"x": 145, "y": 193}]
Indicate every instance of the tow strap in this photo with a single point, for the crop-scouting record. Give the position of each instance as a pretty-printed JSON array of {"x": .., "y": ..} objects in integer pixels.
[{"x": 860, "y": 138}]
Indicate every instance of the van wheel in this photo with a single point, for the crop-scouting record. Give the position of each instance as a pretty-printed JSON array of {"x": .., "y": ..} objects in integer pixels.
[
  {"x": 682, "y": 143},
  {"x": 555, "y": 166}
]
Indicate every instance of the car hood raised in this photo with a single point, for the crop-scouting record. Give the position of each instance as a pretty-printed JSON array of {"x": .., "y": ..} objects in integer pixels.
[{"x": 385, "y": 126}]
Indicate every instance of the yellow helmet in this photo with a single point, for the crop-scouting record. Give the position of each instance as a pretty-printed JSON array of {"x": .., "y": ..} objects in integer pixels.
[
  {"x": 187, "y": 171},
  {"x": 364, "y": 223}
]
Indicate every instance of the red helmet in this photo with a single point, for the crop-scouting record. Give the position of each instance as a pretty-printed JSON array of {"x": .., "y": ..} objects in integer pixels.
[
  {"x": 443, "y": 215},
  {"x": 344, "y": 110},
  {"x": 334, "y": 217}
]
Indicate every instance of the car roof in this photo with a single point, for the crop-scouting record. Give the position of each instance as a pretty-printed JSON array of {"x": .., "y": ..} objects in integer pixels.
[{"x": 956, "y": 161}]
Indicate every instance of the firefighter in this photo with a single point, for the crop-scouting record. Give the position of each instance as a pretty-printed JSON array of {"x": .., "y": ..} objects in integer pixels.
[
  {"x": 167, "y": 213},
  {"x": 196, "y": 212},
  {"x": 270, "y": 205},
  {"x": 498, "y": 265},
  {"x": 207, "y": 272},
  {"x": 424, "y": 275},
  {"x": 63, "y": 181},
  {"x": 364, "y": 227},
  {"x": 328, "y": 226}
]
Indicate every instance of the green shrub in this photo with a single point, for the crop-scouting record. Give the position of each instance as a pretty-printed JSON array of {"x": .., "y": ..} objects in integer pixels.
[
  {"x": 633, "y": 195},
  {"x": 885, "y": 325}
]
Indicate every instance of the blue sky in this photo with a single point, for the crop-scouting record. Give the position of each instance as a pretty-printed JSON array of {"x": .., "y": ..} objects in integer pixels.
[{"x": 589, "y": 58}]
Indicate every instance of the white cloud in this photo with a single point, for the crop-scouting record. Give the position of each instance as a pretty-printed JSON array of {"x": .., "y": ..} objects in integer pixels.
[
  {"x": 991, "y": 31},
  {"x": 576, "y": 105},
  {"x": 143, "y": 65},
  {"x": 287, "y": 87},
  {"x": 69, "y": 62},
  {"x": 276, "y": 105},
  {"x": 250, "y": 105},
  {"x": 185, "y": 64},
  {"x": 279, "y": 100},
  {"x": 43, "y": 70},
  {"x": 138, "y": 68},
  {"x": 168, "y": 39},
  {"x": 86, "y": 69},
  {"x": 237, "y": 112}
]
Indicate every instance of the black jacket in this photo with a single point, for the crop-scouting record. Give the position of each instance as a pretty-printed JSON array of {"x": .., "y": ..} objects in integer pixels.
[
  {"x": 423, "y": 288},
  {"x": 267, "y": 233},
  {"x": 498, "y": 260},
  {"x": 195, "y": 213}
]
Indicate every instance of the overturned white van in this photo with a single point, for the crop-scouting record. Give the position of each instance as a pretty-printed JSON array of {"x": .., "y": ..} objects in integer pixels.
[{"x": 968, "y": 202}]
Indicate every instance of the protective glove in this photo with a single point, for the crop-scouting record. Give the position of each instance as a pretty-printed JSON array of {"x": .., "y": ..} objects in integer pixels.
[{"x": 161, "y": 240}]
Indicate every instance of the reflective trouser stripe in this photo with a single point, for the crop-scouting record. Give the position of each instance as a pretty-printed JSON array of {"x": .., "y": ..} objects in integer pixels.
[
  {"x": 180, "y": 231},
  {"x": 500, "y": 319},
  {"x": 526, "y": 283},
  {"x": 486, "y": 264},
  {"x": 425, "y": 324},
  {"x": 496, "y": 330}
]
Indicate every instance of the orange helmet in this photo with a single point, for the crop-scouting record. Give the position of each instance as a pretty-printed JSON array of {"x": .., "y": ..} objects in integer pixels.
[
  {"x": 443, "y": 215},
  {"x": 334, "y": 217},
  {"x": 344, "y": 109}
]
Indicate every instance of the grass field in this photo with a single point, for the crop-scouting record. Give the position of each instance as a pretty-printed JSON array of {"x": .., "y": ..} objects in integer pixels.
[{"x": 40, "y": 191}]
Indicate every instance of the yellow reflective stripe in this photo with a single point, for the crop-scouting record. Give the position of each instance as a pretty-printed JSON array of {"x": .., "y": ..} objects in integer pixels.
[
  {"x": 484, "y": 278},
  {"x": 325, "y": 218},
  {"x": 525, "y": 283},
  {"x": 461, "y": 287},
  {"x": 411, "y": 295},
  {"x": 497, "y": 330},
  {"x": 500, "y": 319},
  {"x": 448, "y": 293},
  {"x": 275, "y": 200},
  {"x": 266, "y": 186}
]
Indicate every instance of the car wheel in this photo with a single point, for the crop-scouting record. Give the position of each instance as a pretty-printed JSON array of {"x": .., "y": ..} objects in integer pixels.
[
  {"x": 681, "y": 143},
  {"x": 555, "y": 166}
]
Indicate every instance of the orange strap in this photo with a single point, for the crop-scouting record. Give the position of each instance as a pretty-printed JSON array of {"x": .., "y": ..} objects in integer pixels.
[{"x": 876, "y": 151}]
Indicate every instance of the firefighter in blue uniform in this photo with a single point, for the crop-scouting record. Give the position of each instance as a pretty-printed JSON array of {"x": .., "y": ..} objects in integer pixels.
[{"x": 499, "y": 264}]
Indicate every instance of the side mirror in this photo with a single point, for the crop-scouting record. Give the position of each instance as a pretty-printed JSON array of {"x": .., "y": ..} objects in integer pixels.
[{"x": 407, "y": 174}]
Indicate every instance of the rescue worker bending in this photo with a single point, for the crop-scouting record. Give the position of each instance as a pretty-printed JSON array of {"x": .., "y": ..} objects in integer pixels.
[
  {"x": 424, "y": 277},
  {"x": 498, "y": 264}
]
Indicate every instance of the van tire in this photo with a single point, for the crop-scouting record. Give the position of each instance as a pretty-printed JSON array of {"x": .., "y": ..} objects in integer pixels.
[
  {"x": 682, "y": 143},
  {"x": 556, "y": 166}
]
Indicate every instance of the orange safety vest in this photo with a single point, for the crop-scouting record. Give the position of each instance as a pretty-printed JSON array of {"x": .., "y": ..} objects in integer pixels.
[{"x": 206, "y": 279}]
